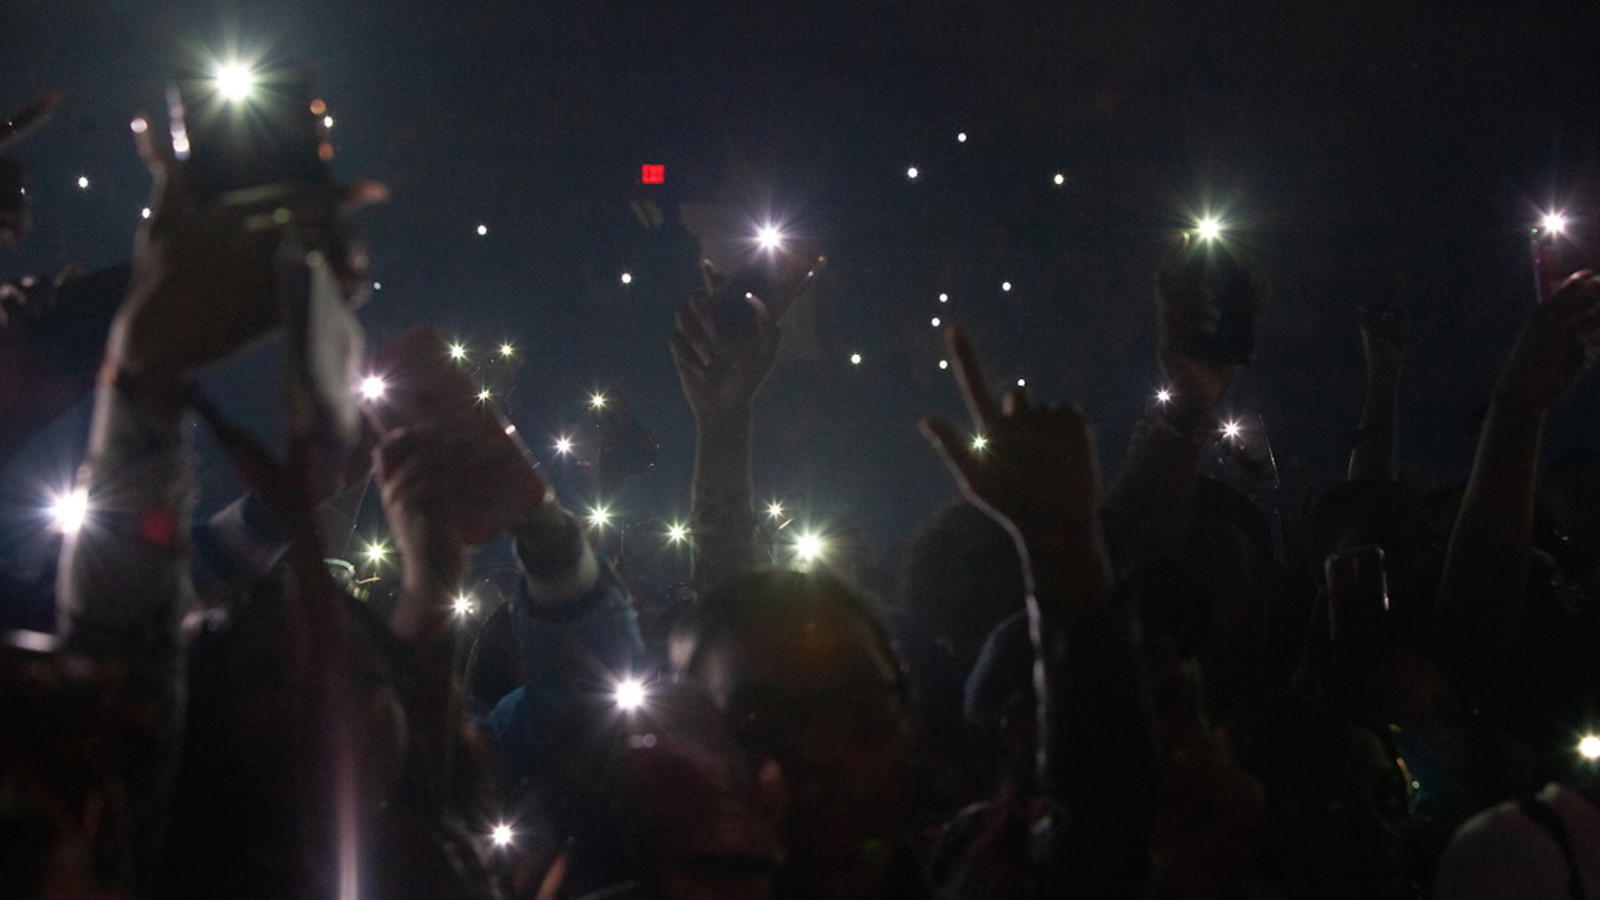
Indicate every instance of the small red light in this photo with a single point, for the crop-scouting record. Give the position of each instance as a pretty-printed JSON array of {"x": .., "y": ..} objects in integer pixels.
[{"x": 653, "y": 174}]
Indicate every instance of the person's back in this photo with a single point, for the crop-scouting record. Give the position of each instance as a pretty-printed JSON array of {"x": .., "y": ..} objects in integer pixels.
[{"x": 1545, "y": 847}]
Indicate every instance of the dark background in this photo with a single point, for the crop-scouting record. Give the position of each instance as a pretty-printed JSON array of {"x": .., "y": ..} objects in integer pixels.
[{"x": 1344, "y": 141}]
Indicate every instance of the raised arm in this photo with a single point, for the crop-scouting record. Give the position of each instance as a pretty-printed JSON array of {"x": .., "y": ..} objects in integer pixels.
[
  {"x": 1486, "y": 565},
  {"x": 1147, "y": 506},
  {"x": 1383, "y": 344},
  {"x": 1036, "y": 476}
]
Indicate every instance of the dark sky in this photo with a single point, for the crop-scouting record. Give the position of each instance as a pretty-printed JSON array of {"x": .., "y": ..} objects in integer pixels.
[{"x": 1344, "y": 140}]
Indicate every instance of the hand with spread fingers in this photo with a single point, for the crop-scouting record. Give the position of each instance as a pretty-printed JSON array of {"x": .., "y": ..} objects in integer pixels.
[
  {"x": 1191, "y": 311},
  {"x": 1029, "y": 466},
  {"x": 1556, "y": 344},
  {"x": 722, "y": 360}
]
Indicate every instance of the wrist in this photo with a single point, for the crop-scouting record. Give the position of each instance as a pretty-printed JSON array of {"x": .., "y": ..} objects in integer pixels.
[{"x": 722, "y": 420}]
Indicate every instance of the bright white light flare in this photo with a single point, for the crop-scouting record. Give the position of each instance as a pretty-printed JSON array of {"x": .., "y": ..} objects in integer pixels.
[
  {"x": 234, "y": 81},
  {"x": 372, "y": 387},
  {"x": 69, "y": 511}
]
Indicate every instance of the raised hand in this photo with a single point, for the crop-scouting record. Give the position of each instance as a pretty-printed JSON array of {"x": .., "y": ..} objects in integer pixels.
[
  {"x": 722, "y": 361},
  {"x": 1190, "y": 312},
  {"x": 1557, "y": 343},
  {"x": 1031, "y": 467},
  {"x": 203, "y": 277},
  {"x": 1383, "y": 339}
]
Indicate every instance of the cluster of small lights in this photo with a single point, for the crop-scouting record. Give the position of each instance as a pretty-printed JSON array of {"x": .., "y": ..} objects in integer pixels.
[{"x": 69, "y": 510}]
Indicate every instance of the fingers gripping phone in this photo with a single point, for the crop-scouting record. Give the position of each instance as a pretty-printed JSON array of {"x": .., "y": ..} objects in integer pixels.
[
  {"x": 235, "y": 129},
  {"x": 1228, "y": 285}
]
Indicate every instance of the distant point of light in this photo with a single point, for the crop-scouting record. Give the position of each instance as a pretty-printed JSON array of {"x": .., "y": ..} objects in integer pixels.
[
  {"x": 458, "y": 351},
  {"x": 629, "y": 694},
  {"x": 1005, "y": 285},
  {"x": 83, "y": 182},
  {"x": 234, "y": 81},
  {"x": 677, "y": 532},
  {"x": 318, "y": 107},
  {"x": 139, "y": 125},
  {"x": 627, "y": 278},
  {"x": 462, "y": 605},
  {"x": 598, "y": 400},
  {"x": 855, "y": 359},
  {"x": 372, "y": 387},
  {"x": 1022, "y": 382},
  {"x": 935, "y": 321},
  {"x": 511, "y": 429},
  {"x": 69, "y": 511},
  {"x": 377, "y": 285},
  {"x": 484, "y": 395},
  {"x": 944, "y": 298},
  {"x": 508, "y": 350},
  {"x": 944, "y": 364},
  {"x": 769, "y": 237},
  {"x": 502, "y": 835},
  {"x": 912, "y": 173},
  {"x": 775, "y": 509},
  {"x": 376, "y": 552},
  {"x": 1059, "y": 179},
  {"x": 564, "y": 445},
  {"x": 1230, "y": 429},
  {"x": 1209, "y": 228},
  {"x": 1163, "y": 396},
  {"x": 980, "y": 443},
  {"x": 1589, "y": 747},
  {"x": 1551, "y": 223},
  {"x": 961, "y": 137},
  {"x": 482, "y": 230},
  {"x": 809, "y": 547},
  {"x": 144, "y": 213},
  {"x": 600, "y": 516}
]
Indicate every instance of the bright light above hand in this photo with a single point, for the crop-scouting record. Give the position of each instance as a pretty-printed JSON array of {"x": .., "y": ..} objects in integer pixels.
[
  {"x": 1209, "y": 228},
  {"x": 376, "y": 552},
  {"x": 501, "y": 835},
  {"x": 462, "y": 605},
  {"x": 677, "y": 532},
  {"x": 769, "y": 237},
  {"x": 961, "y": 137},
  {"x": 809, "y": 547},
  {"x": 1163, "y": 396},
  {"x": 144, "y": 213},
  {"x": 1059, "y": 179},
  {"x": 775, "y": 509},
  {"x": 563, "y": 445},
  {"x": 912, "y": 173},
  {"x": 597, "y": 400},
  {"x": 980, "y": 443},
  {"x": 855, "y": 359},
  {"x": 69, "y": 511},
  {"x": 372, "y": 387},
  {"x": 600, "y": 516},
  {"x": 482, "y": 230},
  {"x": 458, "y": 352},
  {"x": 484, "y": 395},
  {"x": 944, "y": 364},
  {"x": 234, "y": 81},
  {"x": 83, "y": 182},
  {"x": 627, "y": 278},
  {"x": 1589, "y": 747},
  {"x": 935, "y": 322},
  {"x": 507, "y": 350},
  {"x": 1005, "y": 285},
  {"x": 1230, "y": 430},
  {"x": 629, "y": 694},
  {"x": 1552, "y": 223},
  {"x": 944, "y": 298}
]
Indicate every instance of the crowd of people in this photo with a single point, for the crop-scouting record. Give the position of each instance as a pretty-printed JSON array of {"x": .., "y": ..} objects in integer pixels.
[{"x": 1077, "y": 688}]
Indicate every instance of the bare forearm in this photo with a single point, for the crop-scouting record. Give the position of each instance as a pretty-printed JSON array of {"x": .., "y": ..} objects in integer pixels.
[
  {"x": 1372, "y": 453},
  {"x": 722, "y": 514}
]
